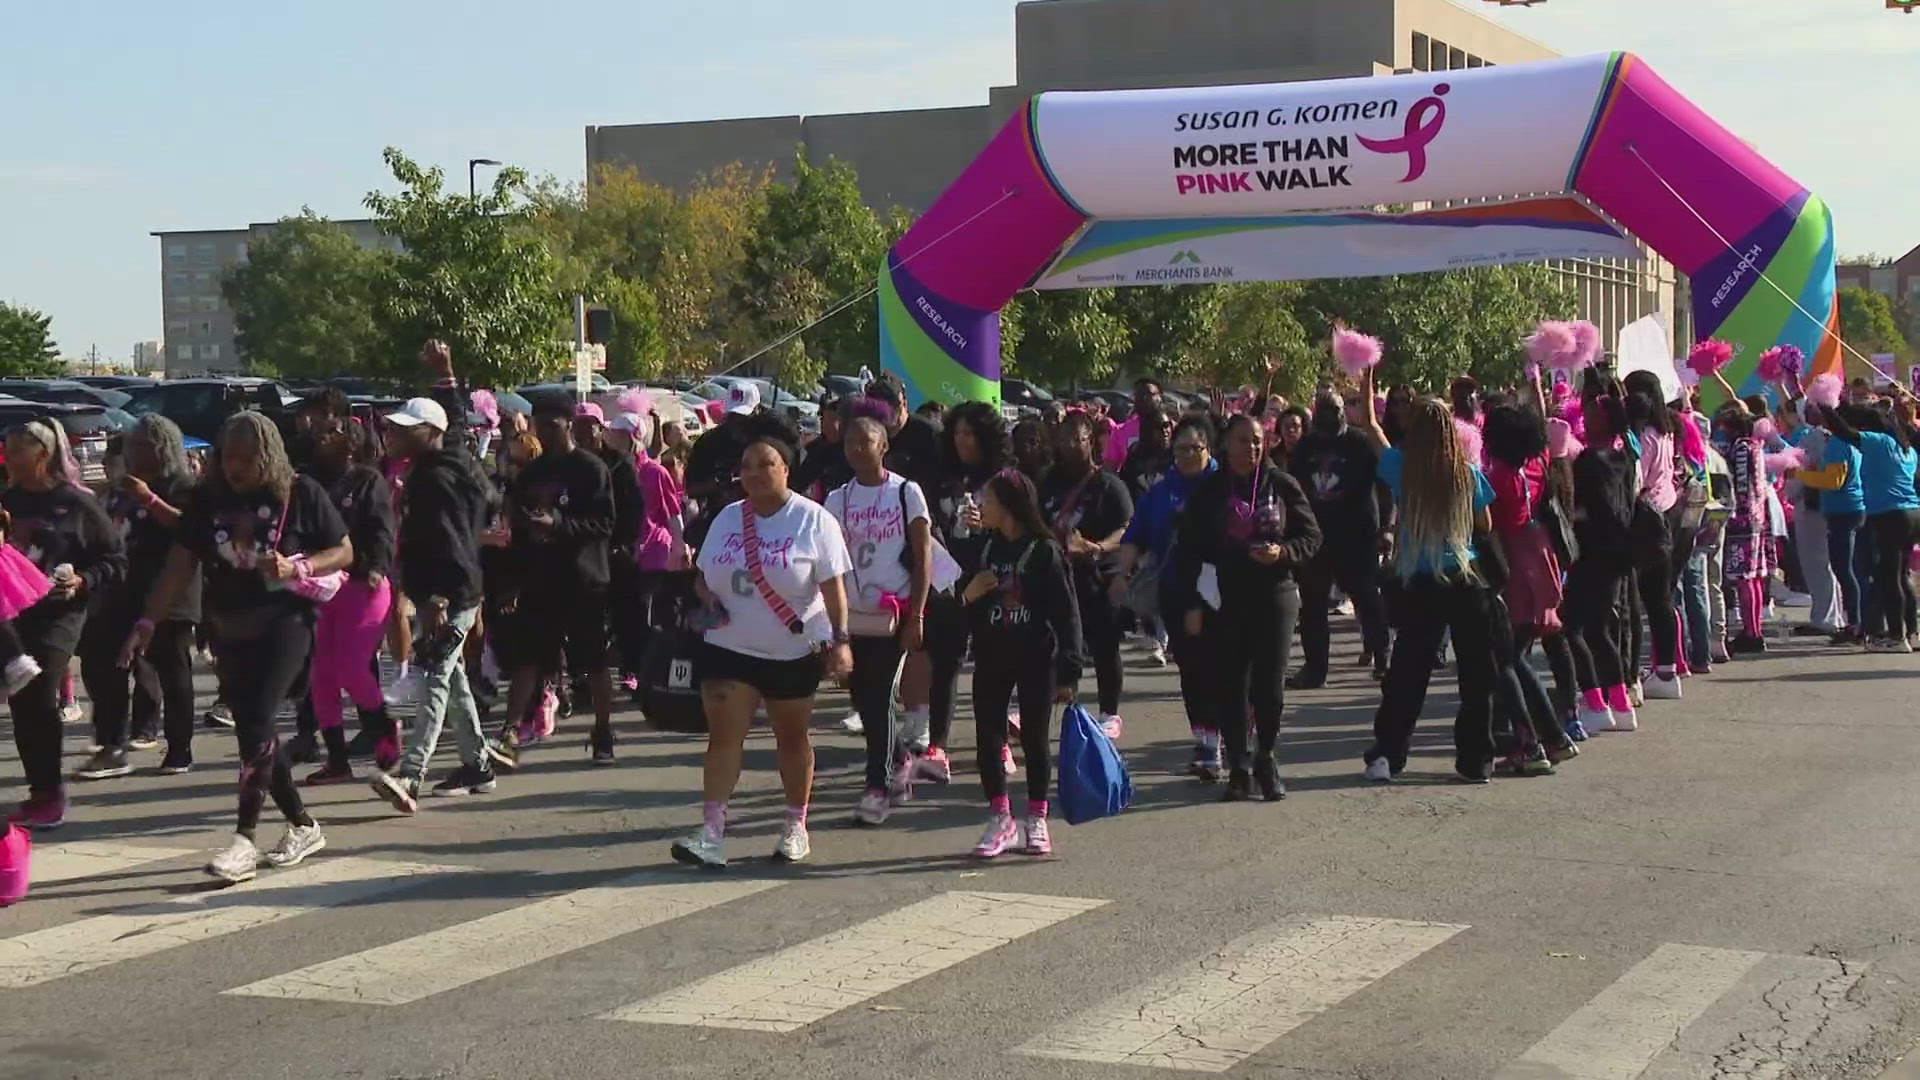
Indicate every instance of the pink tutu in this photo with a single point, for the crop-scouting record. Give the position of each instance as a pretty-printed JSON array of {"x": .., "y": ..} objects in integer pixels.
[{"x": 21, "y": 583}]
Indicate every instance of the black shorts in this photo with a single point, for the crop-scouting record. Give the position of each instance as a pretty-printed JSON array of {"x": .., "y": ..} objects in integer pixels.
[
  {"x": 777, "y": 680},
  {"x": 554, "y": 625}
]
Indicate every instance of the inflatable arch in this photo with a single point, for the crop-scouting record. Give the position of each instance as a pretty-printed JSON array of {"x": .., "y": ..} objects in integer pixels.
[{"x": 1141, "y": 187}]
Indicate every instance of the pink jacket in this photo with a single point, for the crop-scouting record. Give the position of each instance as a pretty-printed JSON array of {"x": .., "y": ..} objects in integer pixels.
[{"x": 659, "y": 538}]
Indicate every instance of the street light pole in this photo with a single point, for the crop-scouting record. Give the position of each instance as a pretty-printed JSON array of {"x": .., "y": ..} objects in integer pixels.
[{"x": 473, "y": 188}]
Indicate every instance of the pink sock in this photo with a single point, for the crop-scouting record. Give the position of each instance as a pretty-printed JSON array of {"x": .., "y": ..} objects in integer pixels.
[
  {"x": 1594, "y": 698},
  {"x": 1617, "y": 698},
  {"x": 1037, "y": 808},
  {"x": 1000, "y": 804},
  {"x": 716, "y": 815},
  {"x": 797, "y": 815}
]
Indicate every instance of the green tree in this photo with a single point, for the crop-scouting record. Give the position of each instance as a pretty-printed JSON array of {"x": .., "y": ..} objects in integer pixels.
[
  {"x": 1254, "y": 324},
  {"x": 1169, "y": 326},
  {"x": 1866, "y": 322},
  {"x": 1071, "y": 337},
  {"x": 816, "y": 246},
  {"x": 474, "y": 273},
  {"x": 26, "y": 343},
  {"x": 303, "y": 301}
]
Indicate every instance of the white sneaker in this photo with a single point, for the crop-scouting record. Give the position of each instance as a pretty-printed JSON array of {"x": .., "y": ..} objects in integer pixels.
[
  {"x": 1378, "y": 770},
  {"x": 298, "y": 842},
  {"x": 20, "y": 671},
  {"x": 1663, "y": 687},
  {"x": 794, "y": 845},
  {"x": 916, "y": 730},
  {"x": 1594, "y": 720},
  {"x": 1625, "y": 721},
  {"x": 239, "y": 862},
  {"x": 1636, "y": 693},
  {"x": 1110, "y": 726},
  {"x": 703, "y": 849},
  {"x": 71, "y": 713},
  {"x": 1158, "y": 654},
  {"x": 851, "y": 724},
  {"x": 873, "y": 809}
]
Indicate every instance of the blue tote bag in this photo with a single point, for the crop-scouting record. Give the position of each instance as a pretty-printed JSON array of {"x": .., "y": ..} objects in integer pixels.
[{"x": 1093, "y": 779}]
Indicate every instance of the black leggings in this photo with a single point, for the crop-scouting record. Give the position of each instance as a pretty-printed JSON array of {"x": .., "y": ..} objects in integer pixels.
[
  {"x": 876, "y": 661},
  {"x": 995, "y": 682},
  {"x": 257, "y": 675},
  {"x": 1356, "y": 573},
  {"x": 1894, "y": 534},
  {"x": 1653, "y": 574},
  {"x": 946, "y": 637},
  {"x": 1199, "y": 675},
  {"x": 162, "y": 682},
  {"x": 36, "y": 718},
  {"x": 1593, "y": 624},
  {"x": 1250, "y": 638},
  {"x": 1430, "y": 609},
  {"x": 1100, "y": 625}
]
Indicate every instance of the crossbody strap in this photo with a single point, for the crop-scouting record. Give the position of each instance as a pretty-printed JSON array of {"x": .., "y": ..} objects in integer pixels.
[{"x": 750, "y": 542}]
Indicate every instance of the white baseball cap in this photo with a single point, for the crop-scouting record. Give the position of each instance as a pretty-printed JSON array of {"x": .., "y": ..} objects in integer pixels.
[
  {"x": 419, "y": 410},
  {"x": 744, "y": 397}
]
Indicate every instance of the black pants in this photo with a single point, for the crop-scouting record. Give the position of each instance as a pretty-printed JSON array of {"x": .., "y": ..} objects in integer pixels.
[
  {"x": 1250, "y": 638},
  {"x": 162, "y": 682},
  {"x": 36, "y": 717},
  {"x": 257, "y": 675},
  {"x": 947, "y": 636},
  {"x": 1894, "y": 533},
  {"x": 1653, "y": 575},
  {"x": 1593, "y": 624},
  {"x": 1432, "y": 608},
  {"x": 996, "y": 680},
  {"x": 876, "y": 661},
  {"x": 629, "y": 610},
  {"x": 1199, "y": 675},
  {"x": 1355, "y": 569},
  {"x": 1100, "y": 626}
]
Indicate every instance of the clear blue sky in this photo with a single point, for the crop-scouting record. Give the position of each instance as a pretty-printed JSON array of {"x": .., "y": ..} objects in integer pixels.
[{"x": 139, "y": 116}]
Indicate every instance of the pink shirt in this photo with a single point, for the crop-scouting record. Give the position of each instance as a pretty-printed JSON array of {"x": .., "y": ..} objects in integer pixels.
[
  {"x": 1469, "y": 439},
  {"x": 1656, "y": 471},
  {"x": 1121, "y": 441},
  {"x": 660, "y": 528}
]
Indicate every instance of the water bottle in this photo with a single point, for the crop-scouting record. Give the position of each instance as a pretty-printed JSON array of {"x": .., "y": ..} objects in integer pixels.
[{"x": 961, "y": 530}]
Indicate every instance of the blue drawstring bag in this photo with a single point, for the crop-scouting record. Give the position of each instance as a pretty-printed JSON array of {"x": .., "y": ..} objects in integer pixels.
[{"x": 1093, "y": 779}]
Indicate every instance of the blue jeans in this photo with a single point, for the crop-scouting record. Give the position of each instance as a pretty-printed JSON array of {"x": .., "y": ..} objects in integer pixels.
[
  {"x": 1694, "y": 583},
  {"x": 1852, "y": 563},
  {"x": 443, "y": 694}
]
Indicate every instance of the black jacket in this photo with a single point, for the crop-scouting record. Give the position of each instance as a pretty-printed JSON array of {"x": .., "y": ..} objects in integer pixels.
[
  {"x": 446, "y": 504},
  {"x": 577, "y": 490},
  {"x": 1033, "y": 615},
  {"x": 1213, "y": 531},
  {"x": 64, "y": 526}
]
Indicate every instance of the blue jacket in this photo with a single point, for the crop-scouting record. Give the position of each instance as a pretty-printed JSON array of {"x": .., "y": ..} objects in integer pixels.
[{"x": 1156, "y": 516}]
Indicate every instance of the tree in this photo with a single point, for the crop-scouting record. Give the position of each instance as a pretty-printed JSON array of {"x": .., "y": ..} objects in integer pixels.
[
  {"x": 1068, "y": 337},
  {"x": 1169, "y": 325},
  {"x": 303, "y": 301},
  {"x": 818, "y": 244},
  {"x": 1866, "y": 322},
  {"x": 474, "y": 273},
  {"x": 26, "y": 343},
  {"x": 1252, "y": 324}
]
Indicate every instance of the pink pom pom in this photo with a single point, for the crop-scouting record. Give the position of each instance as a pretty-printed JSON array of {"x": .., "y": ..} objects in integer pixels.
[
  {"x": 1709, "y": 356},
  {"x": 1783, "y": 460},
  {"x": 635, "y": 401},
  {"x": 1354, "y": 351},
  {"x": 1550, "y": 342},
  {"x": 1780, "y": 363},
  {"x": 1764, "y": 429},
  {"x": 1560, "y": 440},
  {"x": 1824, "y": 390},
  {"x": 1586, "y": 345},
  {"x": 484, "y": 403}
]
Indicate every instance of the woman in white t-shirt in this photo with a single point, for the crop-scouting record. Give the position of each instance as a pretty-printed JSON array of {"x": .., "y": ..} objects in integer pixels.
[
  {"x": 889, "y": 532},
  {"x": 771, "y": 571}
]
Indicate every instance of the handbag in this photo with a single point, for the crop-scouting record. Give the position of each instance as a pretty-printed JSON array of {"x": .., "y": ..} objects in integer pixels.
[
  {"x": 1094, "y": 782},
  {"x": 1143, "y": 589},
  {"x": 885, "y": 622},
  {"x": 318, "y": 588},
  {"x": 669, "y": 694},
  {"x": 248, "y": 624}
]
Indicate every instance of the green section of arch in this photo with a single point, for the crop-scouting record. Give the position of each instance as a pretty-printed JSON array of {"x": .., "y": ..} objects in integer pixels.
[
  {"x": 1757, "y": 323},
  {"x": 930, "y": 373}
]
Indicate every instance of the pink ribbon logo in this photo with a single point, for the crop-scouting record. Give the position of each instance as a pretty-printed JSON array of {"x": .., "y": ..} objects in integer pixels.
[{"x": 1424, "y": 121}]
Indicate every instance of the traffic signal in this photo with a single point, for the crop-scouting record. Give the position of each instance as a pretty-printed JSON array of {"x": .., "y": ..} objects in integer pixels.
[{"x": 599, "y": 325}]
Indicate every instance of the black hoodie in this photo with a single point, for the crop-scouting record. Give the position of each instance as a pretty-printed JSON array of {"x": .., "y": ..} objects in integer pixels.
[
  {"x": 445, "y": 504},
  {"x": 1033, "y": 614},
  {"x": 575, "y": 487}
]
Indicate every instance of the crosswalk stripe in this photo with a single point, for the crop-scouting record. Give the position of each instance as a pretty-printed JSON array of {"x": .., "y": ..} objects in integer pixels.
[
  {"x": 1617, "y": 1035},
  {"x": 1217, "y": 1013},
  {"x": 439, "y": 961},
  {"x": 57, "y": 863},
  {"x": 72, "y": 948},
  {"x": 813, "y": 980}
]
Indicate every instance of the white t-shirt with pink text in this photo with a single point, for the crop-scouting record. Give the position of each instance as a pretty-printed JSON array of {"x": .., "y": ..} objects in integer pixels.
[
  {"x": 875, "y": 521},
  {"x": 800, "y": 547}
]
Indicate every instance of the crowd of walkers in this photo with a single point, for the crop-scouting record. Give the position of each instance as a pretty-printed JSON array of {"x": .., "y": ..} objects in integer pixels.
[{"x": 526, "y": 562}]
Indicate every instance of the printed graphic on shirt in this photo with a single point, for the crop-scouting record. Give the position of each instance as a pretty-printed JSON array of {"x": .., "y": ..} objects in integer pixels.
[
  {"x": 26, "y": 537},
  {"x": 1327, "y": 478},
  {"x": 774, "y": 555},
  {"x": 241, "y": 538}
]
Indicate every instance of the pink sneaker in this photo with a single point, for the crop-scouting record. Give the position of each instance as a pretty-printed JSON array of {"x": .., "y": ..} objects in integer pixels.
[
  {"x": 1001, "y": 834},
  {"x": 1039, "y": 842},
  {"x": 41, "y": 811},
  {"x": 16, "y": 852},
  {"x": 900, "y": 784},
  {"x": 933, "y": 766},
  {"x": 1110, "y": 726},
  {"x": 1006, "y": 761}
]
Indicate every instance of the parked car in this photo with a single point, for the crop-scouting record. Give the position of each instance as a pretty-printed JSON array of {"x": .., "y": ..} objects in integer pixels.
[
  {"x": 88, "y": 428},
  {"x": 200, "y": 406},
  {"x": 1119, "y": 404},
  {"x": 63, "y": 390},
  {"x": 115, "y": 382},
  {"x": 1023, "y": 394}
]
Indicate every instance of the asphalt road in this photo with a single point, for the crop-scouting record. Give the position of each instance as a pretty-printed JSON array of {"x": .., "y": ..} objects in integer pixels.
[{"x": 1731, "y": 891}]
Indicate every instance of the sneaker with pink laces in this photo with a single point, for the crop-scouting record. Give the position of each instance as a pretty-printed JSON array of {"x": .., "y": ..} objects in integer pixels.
[
  {"x": 1001, "y": 834},
  {"x": 933, "y": 766},
  {"x": 16, "y": 852},
  {"x": 1039, "y": 840},
  {"x": 41, "y": 810}
]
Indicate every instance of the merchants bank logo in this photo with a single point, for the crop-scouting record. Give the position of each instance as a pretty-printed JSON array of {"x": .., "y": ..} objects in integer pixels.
[
  {"x": 1187, "y": 256},
  {"x": 1423, "y": 125}
]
